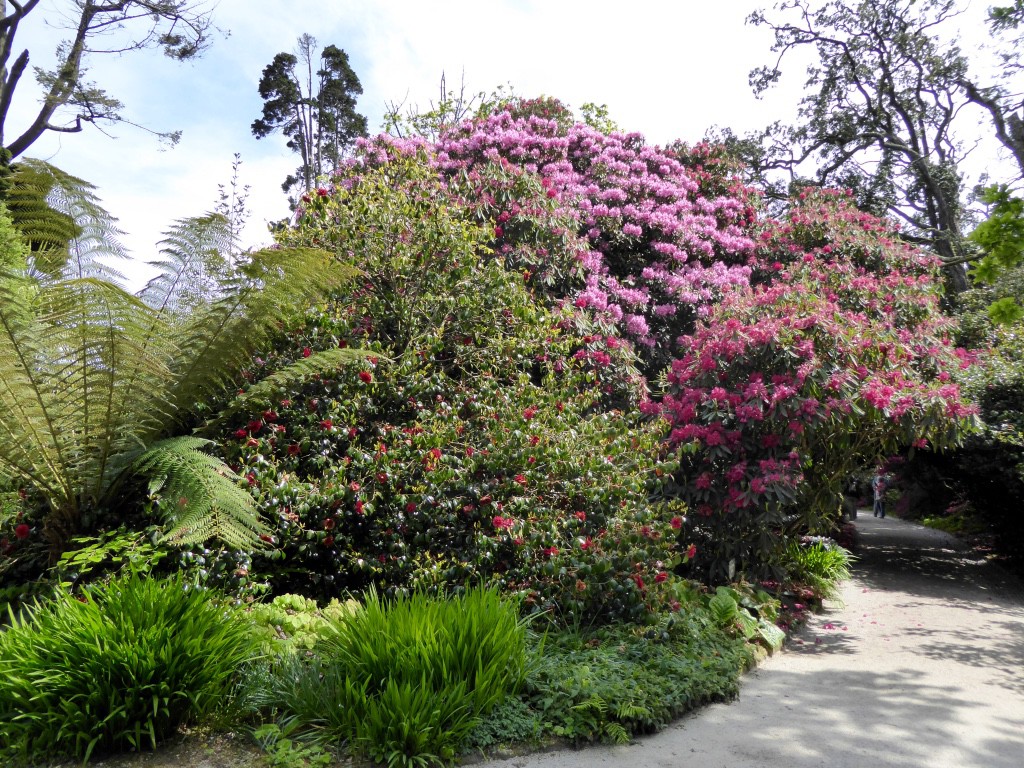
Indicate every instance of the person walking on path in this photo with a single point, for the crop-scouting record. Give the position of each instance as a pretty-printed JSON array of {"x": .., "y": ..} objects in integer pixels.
[
  {"x": 920, "y": 666},
  {"x": 878, "y": 485}
]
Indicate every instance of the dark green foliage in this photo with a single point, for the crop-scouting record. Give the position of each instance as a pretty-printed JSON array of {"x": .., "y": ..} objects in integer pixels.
[
  {"x": 318, "y": 116},
  {"x": 624, "y": 681},
  {"x": 122, "y": 669}
]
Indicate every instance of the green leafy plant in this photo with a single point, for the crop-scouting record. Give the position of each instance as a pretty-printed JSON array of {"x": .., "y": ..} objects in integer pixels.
[
  {"x": 95, "y": 382},
  {"x": 611, "y": 684},
  {"x": 122, "y": 668},
  {"x": 404, "y": 681},
  {"x": 283, "y": 751},
  {"x": 292, "y": 622},
  {"x": 820, "y": 564}
]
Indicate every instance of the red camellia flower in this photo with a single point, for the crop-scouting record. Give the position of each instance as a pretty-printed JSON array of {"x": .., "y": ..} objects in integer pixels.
[
  {"x": 410, "y": 507},
  {"x": 521, "y": 479},
  {"x": 322, "y": 192},
  {"x": 306, "y": 351},
  {"x": 354, "y": 486},
  {"x": 660, "y": 577},
  {"x": 581, "y": 516},
  {"x": 22, "y": 531},
  {"x": 360, "y": 508},
  {"x": 293, "y": 449},
  {"x": 365, "y": 376},
  {"x": 551, "y": 551},
  {"x": 326, "y": 424},
  {"x": 677, "y": 522},
  {"x": 691, "y": 551},
  {"x": 329, "y": 524},
  {"x": 500, "y": 522},
  {"x": 328, "y": 541},
  {"x": 241, "y": 434},
  {"x": 530, "y": 412}
]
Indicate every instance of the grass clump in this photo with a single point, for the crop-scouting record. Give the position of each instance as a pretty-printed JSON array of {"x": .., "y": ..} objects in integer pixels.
[
  {"x": 405, "y": 681},
  {"x": 123, "y": 667},
  {"x": 820, "y": 564}
]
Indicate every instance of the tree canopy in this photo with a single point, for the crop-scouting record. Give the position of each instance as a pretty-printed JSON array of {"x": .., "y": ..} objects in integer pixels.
[
  {"x": 315, "y": 108},
  {"x": 181, "y": 28},
  {"x": 886, "y": 98}
]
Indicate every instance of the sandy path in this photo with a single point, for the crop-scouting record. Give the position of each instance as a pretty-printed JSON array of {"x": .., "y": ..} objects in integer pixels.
[{"x": 922, "y": 665}]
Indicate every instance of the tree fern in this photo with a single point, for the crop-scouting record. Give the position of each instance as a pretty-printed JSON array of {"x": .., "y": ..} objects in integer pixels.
[
  {"x": 69, "y": 232},
  {"x": 202, "y": 492},
  {"x": 93, "y": 379},
  {"x": 219, "y": 338},
  {"x": 194, "y": 263},
  {"x": 262, "y": 392}
]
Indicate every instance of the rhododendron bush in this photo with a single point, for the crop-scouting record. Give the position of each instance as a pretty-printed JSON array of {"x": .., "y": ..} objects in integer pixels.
[
  {"x": 527, "y": 271},
  {"x": 477, "y": 442},
  {"x": 839, "y": 358},
  {"x": 665, "y": 230}
]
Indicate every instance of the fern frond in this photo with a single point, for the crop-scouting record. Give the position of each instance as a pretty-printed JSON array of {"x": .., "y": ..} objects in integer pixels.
[
  {"x": 28, "y": 447},
  {"x": 218, "y": 340},
  {"x": 318, "y": 364},
  {"x": 194, "y": 265},
  {"x": 203, "y": 495},
  {"x": 68, "y": 230}
]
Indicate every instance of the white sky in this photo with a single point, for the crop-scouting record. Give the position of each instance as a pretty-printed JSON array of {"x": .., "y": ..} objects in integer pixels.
[{"x": 667, "y": 68}]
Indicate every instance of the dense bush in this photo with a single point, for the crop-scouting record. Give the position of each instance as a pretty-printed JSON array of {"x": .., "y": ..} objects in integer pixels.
[
  {"x": 792, "y": 385},
  {"x": 478, "y": 442},
  {"x": 120, "y": 669},
  {"x": 664, "y": 228}
]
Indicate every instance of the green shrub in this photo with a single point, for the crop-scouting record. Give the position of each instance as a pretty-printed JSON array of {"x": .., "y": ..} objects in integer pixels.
[
  {"x": 481, "y": 445},
  {"x": 120, "y": 668},
  {"x": 405, "y": 681},
  {"x": 818, "y": 563}
]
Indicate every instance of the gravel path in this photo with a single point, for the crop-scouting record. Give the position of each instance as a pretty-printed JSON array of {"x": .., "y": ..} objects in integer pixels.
[{"x": 922, "y": 664}]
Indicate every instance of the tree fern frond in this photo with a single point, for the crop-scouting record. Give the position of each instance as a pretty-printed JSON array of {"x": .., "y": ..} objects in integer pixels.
[
  {"x": 203, "y": 494},
  {"x": 220, "y": 339},
  {"x": 318, "y": 364},
  {"x": 62, "y": 219},
  {"x": 28, "y": 448},
  {"x": 194, "y": 264}
]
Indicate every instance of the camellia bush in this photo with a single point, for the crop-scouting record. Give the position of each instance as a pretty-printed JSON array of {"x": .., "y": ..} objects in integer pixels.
[
  {"x": 478, "y": 440},
  {"x": 837, "y": 358}
]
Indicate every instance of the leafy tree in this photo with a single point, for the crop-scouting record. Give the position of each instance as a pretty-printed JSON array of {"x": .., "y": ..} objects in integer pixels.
[
  {"x": 95, "y": 383},
  {"x": 883, "y": 99},
  {"x": 315, "y": 108},
  {"x": 97, "y": 27}
]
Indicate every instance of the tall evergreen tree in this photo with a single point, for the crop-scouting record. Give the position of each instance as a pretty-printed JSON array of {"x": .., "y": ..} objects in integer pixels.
[{"x": 311, "y": 99}]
